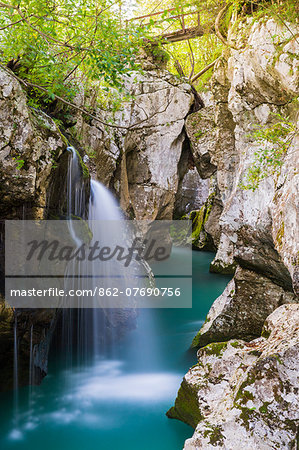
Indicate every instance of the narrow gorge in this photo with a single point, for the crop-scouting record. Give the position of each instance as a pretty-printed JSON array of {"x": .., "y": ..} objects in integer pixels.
[{"x": 225, "y": 158}]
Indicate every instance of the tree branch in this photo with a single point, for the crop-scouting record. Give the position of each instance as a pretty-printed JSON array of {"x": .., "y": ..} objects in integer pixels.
[
  {"x": 11, "y": 24},
  {"x": 204, "y": 70},
  {"x": 217, "y": 25},
  {"x": 45, "y": 36},
  {"x": 78, "y": 108},
  {"x": 192, "y": 61},
  {"x": 62, "y": 100},
  {"x": 179, "y": 68}
]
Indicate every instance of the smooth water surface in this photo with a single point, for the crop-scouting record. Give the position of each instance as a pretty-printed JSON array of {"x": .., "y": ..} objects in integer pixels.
[{"x": 117, "y": 402}]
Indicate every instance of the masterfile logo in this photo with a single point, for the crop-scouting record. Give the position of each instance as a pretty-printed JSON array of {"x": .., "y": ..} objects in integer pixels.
[
  {"x": 88, "y": 264},
  {"x": 139, "y": 250}
]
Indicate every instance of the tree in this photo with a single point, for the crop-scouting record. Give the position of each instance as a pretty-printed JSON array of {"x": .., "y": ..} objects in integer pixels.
[{"x": 54, "y": 43}]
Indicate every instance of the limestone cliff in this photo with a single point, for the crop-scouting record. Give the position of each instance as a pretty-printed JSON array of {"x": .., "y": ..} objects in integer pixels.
[
  {"x": 239, "y": 392},
  {"x": 31, "y": 147},
  {"x": 33, "y": 157},
  {"x": 245, "y": 394},
  {"x": 258, "y": 228},
  {"x": 163, "y": 160},
  {"x": 145, "y": 157}
]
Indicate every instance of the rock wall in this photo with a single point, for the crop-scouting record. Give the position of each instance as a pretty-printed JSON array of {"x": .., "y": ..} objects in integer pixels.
[
  {"x": 33, "y": 158},
  {"x": 257, "y": 230},
  {"x": 162, "y": 160},
  {"x": 263, "y": 81},
  {"x": 244, "y": 392},
  {"x": 146, "y": 158},
  {"x": 31, "y": 146},
  {"x": 33, "y": 328}
]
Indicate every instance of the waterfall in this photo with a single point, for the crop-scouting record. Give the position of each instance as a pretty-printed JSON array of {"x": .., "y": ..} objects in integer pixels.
[
  {"x": 102, "y": 208},
  {"x": 15, "y": 366},
  {"x": 75, "y": 192},
  {"x": 92, "y": 330},
  {"x": 113, "y": 368},
  {"x": 16, "y": 432},
  {"x": 31, "y": 357},
  {"x": 16, "y": 374},
  {"x": 102, "y": 205},
  {"x": 73, "y": 320},
  {"x": 31, "y": 369},
  {"x": 75, "y": 187}
]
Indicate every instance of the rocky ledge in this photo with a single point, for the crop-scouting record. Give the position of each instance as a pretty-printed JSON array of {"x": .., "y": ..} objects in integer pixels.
[
  {"x": 245, "y": 393},
  {"x": 33, "y": 169}
]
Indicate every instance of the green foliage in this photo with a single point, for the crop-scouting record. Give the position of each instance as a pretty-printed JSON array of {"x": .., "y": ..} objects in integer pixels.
[
  {"x": 215, "y": 348},
  {"x": 284, "y": 10},
  {"x": 60, "y": 44},
  {"x": 84, "y": 168},
  {"x": 205, "y": 49},
  {"x": 275, "y": 141},
  {"x": 197, "y": 218},
  {"x": 199, "y": 134},
  {"x": 195, "y": 54},
  {"x": 20, "y": 162}
]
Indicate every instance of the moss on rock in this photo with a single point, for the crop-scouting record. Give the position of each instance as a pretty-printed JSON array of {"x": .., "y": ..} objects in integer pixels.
[
  {"x": 84, "y": 168},
  {"x": 216, "y": 348},
  {"x": 197, "y": 218},
  {"x": 186, "y": 406},
  {"x": 215, "y": 435}
]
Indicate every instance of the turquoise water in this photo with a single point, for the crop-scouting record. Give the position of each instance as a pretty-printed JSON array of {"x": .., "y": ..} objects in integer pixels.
[{"x": 119, "y": 401}]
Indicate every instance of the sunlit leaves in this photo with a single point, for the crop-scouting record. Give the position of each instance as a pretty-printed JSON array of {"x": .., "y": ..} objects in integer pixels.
[
  {"x": 274, "y": 141},
  {"x": 64, "y": 41},
  {"x": 192, "y": 55}
]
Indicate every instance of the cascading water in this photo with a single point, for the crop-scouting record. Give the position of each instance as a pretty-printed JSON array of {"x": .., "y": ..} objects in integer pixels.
[
  {"x": 75, "y": 192},
  {"x": 102, "y": 206},
  {"x": 16, "y": 370},
  {"x": 31, "y": 380},
  {"x": 94, "y": 329},
  {"x": 74, "y": 322},
  {"x": 75, "y": 187},
  {"x": 31, "y": 357},
  {"x": 102, "y": 398}
]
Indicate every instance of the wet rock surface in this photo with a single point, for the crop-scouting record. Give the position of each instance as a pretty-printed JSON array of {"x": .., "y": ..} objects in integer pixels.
[{"x": 34, "y": 329}]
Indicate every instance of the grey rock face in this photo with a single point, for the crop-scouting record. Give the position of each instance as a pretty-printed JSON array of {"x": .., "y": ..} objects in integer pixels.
[
  {"x": 30, "y": 146},
  {"x": 253, "y": 230},
  {"x": 192, "y": 191},
  {"x": 246, "y": 393},
  {"x": 141, "y": 162},
  {"x": 240, "y": 311},
  {"x": 201, "y": 130},
  {"x": 258, "y": 230}
]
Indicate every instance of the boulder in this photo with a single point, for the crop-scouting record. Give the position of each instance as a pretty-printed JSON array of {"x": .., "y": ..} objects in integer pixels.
[
  {"x": 30, "y": 148},
  {"x": 245, "y": 394},
  {"x": 241, "y": 310}
]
